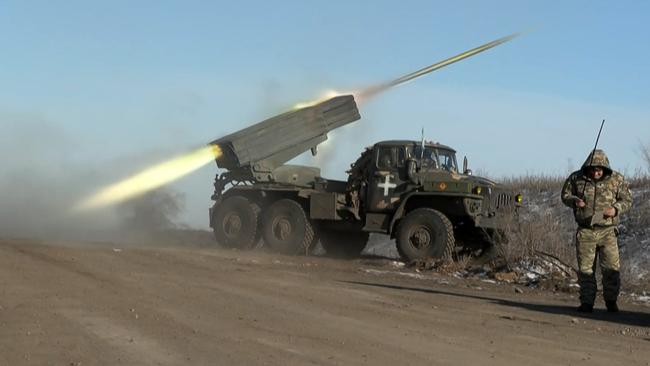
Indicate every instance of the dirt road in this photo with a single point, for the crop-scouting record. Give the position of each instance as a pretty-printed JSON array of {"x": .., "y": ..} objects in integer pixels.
[{"x": 97, "y": 305}]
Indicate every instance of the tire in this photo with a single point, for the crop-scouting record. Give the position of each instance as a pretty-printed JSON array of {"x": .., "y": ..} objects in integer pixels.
[
  {"x": 286, "y": 228},
  {"x": 343, "y": 244},
  {"x": 425, "y": 233},
  {"x": 235, "y": 223}
]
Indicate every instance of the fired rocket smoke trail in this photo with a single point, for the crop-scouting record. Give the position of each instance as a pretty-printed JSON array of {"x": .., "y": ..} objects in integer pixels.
[
  {"x": 150, "y": 178},
  {"x": 365, "y": 94},
  {"x": 374, "y": 90}
]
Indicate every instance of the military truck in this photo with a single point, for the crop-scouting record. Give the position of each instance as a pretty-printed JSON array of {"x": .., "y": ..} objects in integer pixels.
[{"x": 413, "y": 191}]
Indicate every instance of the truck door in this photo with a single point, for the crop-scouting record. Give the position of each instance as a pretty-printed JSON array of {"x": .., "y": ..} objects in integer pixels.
[{"x": 387, "y": 179}]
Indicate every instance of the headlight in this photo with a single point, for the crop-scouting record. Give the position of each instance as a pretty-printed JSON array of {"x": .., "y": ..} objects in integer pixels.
[
  {"x": 519, "y": 198},
  {"x": 477, "y": 190}
]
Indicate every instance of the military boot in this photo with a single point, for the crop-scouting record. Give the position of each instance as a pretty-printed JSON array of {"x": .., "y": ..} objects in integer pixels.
[
  {"x": 586, "y": 308},
  {"x": 611, "y": 289},
  {"x": 612, "y": 307}
]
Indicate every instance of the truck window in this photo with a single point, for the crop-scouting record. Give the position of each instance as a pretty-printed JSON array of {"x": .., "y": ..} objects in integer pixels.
[
  {"x": 429, "y": 157},
  {"x": 447, "y": 160},
  {"x": 386, "y": 158},
  {"x": 401, "y": 156},
  {"x": 390, "y": 157},
  {"x": 433, "y": 158}
]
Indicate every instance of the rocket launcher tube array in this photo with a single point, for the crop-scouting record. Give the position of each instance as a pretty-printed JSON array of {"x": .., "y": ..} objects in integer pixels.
[{"x": 261, "y": 148}]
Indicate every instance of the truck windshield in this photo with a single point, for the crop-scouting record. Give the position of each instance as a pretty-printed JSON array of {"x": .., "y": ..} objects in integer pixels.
[{"x": 436, "y": 158}]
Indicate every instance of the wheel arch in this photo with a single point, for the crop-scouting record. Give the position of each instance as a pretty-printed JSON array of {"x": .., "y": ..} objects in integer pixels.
[
  {"x": 264, "y": 197},
  {"x": 437, "y": 201}
]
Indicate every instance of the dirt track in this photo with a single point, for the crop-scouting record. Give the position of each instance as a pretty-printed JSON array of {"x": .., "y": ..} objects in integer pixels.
[{"x": 93, "y": 305}]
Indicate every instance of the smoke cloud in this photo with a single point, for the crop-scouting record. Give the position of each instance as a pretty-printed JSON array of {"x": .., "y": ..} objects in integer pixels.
[
  {"x": 45, "y": 171},
  {"x": 154, "y": 211}
]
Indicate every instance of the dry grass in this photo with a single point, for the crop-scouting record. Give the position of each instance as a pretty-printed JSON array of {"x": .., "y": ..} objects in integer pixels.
[
  {"x": 640, "y": 180},
  {"x": 534, "y": 184},
  {"x": 644, "y": 149},
  {"x": 444, "y": 266},
  {"x": 543, "y": 224},
  {"x": 535, "y": 235}
]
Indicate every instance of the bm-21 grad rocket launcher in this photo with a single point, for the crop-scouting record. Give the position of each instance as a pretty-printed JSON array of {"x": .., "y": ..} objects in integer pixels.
[{"x": 412, "y": 190}]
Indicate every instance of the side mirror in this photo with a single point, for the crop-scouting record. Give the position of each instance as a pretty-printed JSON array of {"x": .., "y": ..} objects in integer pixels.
[{"x": 466, "y": 171}]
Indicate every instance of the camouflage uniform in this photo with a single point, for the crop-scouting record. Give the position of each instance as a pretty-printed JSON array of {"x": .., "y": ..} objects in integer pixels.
[{"x": 597, "y": 234}]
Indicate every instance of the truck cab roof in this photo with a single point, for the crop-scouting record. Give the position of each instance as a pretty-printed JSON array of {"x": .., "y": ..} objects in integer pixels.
[{"x": 413, "y": 143}]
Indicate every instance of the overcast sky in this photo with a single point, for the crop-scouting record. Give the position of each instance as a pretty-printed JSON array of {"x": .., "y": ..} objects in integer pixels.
[{"x": 91, "y": 91}]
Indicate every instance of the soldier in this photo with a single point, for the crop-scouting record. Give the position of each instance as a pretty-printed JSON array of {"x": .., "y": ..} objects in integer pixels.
[{"x": 598, "y": 196}]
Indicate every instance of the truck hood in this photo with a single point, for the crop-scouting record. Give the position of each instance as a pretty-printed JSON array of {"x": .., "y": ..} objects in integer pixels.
[
  {"x": 479, "y": 180},
  {"x": 455, "y": 177}
]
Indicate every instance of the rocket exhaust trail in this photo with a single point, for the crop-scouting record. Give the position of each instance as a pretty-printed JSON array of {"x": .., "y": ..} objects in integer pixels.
[
  {"x": 150, "y": 178},
  {"x": 374, "y": 90}
]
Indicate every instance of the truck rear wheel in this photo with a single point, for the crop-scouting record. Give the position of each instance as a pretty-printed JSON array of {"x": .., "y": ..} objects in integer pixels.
[
  {"x": 425, "y": 233},
  {"x": 343, "y": 244},
  {"x": 235, "y": 223},
  {"x": 286, "y": 228}
]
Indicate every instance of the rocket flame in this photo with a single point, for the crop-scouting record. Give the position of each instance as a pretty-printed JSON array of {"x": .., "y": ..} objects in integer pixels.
[
  {"x": 329, "y": 94},
  {"x": 150, "y": 178}
]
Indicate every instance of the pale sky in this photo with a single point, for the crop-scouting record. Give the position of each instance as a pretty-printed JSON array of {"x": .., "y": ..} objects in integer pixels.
[{"x": 91, "y": 92}]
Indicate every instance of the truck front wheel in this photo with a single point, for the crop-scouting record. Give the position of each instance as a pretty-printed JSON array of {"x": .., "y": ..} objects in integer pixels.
[
  {"x": 425, "y": 233},
  {"x": 286, "y": 228},
  {"x": 235, "y": 223}
]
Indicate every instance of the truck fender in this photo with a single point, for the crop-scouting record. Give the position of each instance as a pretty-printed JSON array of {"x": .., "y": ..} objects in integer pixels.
[
  {"x": 399, "y": 213},
  {"x": 401, "y": 210}
]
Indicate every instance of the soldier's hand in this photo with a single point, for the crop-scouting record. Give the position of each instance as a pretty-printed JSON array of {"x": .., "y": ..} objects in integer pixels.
[
  {"x": 580, "y": 203},
  {"x": 609, "y": 212}
]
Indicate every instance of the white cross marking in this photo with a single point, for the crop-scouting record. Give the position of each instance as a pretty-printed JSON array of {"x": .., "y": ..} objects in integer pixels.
[{"x": 387, "y": 185}]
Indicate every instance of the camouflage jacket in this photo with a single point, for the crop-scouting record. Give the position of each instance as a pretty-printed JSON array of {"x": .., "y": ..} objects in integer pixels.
[{"x": 611, "y": 190}]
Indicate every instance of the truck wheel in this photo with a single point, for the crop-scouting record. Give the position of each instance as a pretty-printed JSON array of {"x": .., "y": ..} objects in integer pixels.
[
  {"x": 286, "y": 229},
  {"x": 425, "y": 233},
  {"x": 235, "y": 223},
  {"x": 343, "y": 244}
]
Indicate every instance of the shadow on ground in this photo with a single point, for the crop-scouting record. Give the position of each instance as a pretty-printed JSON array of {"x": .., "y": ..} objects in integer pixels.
[{"x": 631, "y": 318}]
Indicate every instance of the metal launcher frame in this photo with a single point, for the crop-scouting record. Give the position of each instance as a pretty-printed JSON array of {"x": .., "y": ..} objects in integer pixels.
[{"x": 258, "y": 153}]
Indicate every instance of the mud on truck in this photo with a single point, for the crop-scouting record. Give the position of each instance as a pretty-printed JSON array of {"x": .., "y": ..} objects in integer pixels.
[{"x": 413, "y": 191}]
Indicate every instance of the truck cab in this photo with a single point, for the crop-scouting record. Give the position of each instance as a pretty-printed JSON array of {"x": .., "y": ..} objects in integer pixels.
[
  {"x": 409, "y": 185},
  {"x": 396, "y": 165}
]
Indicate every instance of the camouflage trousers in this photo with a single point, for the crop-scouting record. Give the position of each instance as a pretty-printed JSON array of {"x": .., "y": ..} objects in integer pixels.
[{"x": 598, "y": 243}]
